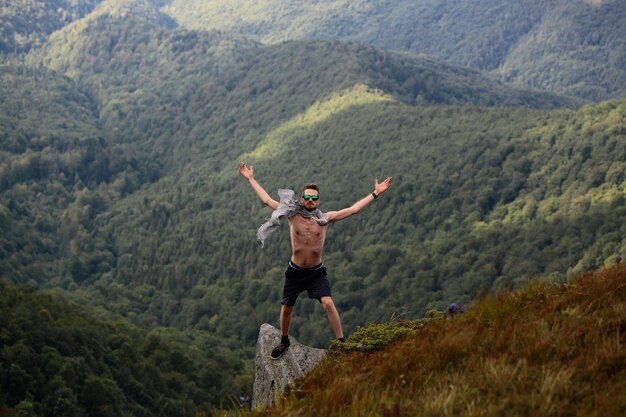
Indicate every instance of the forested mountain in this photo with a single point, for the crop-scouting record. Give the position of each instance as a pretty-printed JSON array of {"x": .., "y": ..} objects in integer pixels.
[
  {"x": 483, "y": 199},
  {"x": 185, "y": 107},
  {"x": 157, "y": 73},
  {"x": 25, "y": 24},
  {"x": 59, "y": 359},
  {"x": 571, "y": 47},
  {"x": 120, "y": 138}
]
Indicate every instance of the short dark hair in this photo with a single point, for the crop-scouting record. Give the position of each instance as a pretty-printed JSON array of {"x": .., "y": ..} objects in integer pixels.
[{"x": 311, "y": 186}]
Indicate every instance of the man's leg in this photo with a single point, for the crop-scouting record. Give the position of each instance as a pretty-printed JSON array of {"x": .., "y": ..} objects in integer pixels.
[
  {"x": 291, "y": 290},
  {"x": 285, "y": 319},
  {"x": 333, "y": 316}
]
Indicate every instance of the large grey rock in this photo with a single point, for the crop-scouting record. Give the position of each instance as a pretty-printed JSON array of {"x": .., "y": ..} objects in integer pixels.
[{"x": 272, "y": 376}]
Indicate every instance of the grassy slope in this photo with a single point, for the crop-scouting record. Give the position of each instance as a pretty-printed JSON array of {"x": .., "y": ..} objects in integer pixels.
[{"x": 549, "y": 350}]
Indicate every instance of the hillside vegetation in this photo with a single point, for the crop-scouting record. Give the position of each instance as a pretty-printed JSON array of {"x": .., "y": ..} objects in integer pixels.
[
  {"x": 59, "y": 359},
  {"x": 549, "y": 350},
  {"x": 573, "y": 48},
  {"x": 120, "y": 138},
  {"x": 482, "y": 200},
  {"x": 570, "y": 47},
  {"x": 25, "y": 24},
  {"x": 148, "y": 201}
]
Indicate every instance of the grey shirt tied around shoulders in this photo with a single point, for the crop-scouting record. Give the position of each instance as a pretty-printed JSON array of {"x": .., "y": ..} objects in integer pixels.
[{"x": 287, "y": 207}]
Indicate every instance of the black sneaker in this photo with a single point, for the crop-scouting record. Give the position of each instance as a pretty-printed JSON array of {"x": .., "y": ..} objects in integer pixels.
[{"x": 279, "y": 350}]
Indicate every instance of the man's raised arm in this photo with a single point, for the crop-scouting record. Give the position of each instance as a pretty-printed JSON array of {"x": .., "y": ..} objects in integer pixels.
[
  {"x": 248, "y": 174},
  {"x": 379, "y": 188}
]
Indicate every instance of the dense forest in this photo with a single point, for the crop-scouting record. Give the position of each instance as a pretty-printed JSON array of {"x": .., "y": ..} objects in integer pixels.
[
  {"x": 570, "y": 47},
  {"x": 27, "y": 24},
  {"x": 123, "y": 218},
  {"x": 59, "y": 359},
  {"x": 469, "y": 213}
]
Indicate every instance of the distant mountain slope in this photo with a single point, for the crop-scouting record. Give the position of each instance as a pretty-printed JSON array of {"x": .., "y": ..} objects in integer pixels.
[
  {"x": 574, "y": 48},
  {"x": 53, "y": 154},
  {"x": 483, "y": 199},
  {"x": 165, "y": 78},
  {"x": 32, "y": 98},
  {"x": 577, "y": 49},
  {"x": 25, "y": 23},
  {"x": 571, "y": 47},
  {"x": 144, "y": 100},
  {"x": 176, "y": 110}
]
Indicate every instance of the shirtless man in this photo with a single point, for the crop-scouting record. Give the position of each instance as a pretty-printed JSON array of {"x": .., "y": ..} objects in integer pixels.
[{"x": 308, "y": 233}]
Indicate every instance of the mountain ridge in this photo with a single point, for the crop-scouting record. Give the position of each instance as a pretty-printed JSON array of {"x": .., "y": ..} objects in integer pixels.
[
  {"x": 109, "y": 51},
  {"x": 494, "y": 37},
  {"x": 571, "y": 48}
]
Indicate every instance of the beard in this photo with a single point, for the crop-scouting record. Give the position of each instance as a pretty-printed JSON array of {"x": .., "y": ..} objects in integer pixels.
[{"x": 310, "y": 209}]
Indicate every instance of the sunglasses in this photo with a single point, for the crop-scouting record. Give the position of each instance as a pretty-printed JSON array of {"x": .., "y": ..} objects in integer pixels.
[{"x": 312, "y": 197}]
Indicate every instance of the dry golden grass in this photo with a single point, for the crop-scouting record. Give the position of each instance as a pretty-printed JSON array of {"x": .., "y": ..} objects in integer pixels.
[{"x": 546, "y": 350}]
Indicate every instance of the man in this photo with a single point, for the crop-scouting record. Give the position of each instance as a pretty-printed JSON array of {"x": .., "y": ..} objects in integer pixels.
[{"x": 307, "y": 226}]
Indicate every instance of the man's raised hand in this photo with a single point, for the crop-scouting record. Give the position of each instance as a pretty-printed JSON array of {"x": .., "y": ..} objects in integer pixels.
[
  {"x": 246, "y": 172},
  {"x": 380, "y": 188}
]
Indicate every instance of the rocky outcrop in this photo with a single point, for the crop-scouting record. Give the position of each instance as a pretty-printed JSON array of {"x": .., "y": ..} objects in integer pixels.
[{"x": 272, "y": 376}]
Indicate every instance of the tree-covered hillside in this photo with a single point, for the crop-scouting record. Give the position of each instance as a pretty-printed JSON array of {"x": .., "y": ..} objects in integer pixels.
[
  {"x": 569, "y": 47},
  {"x": 483, "y": 199},
  {"x": 578, "y": 49},
  {"x": 172, "y": 90},
  {"x": 57, "y": 359},
  {"x": 148, "y": 196},
  {"x": 25, "y": 24},
  {"x": 53, "y": 155},
  {"x": 119, "y": 142},
  {"x": 573, "y": 48}
]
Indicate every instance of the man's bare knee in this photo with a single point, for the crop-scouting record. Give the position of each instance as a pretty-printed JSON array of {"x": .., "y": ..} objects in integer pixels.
[
  {"x": 287, "y": 309},
  {"x": 327, "y": 303}
]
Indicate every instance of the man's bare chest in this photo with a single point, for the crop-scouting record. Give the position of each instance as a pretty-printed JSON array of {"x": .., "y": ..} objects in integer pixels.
[{"x": 306, "y": 228}]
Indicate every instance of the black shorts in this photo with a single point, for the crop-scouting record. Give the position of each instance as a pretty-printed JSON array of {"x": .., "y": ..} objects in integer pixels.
[{"x": 297, "y": 280}]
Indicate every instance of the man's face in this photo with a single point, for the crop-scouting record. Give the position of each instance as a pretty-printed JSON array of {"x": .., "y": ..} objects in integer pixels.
[{"x": 312, "y": 201}]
